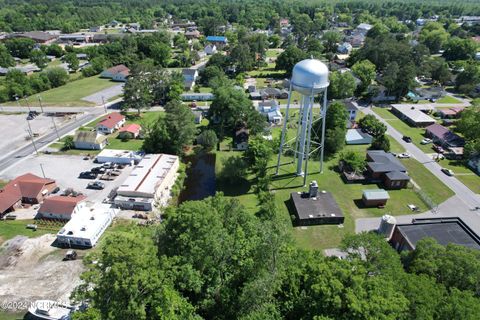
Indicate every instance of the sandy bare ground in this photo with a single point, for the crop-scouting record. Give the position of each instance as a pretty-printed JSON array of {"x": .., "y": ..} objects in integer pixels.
[{"x": 31, "y": 269}]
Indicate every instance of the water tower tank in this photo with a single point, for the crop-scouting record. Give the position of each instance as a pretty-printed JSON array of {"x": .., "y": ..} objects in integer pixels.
[
  {"x": 387, "y": 225},
  {"x": 310, "y": 74}
]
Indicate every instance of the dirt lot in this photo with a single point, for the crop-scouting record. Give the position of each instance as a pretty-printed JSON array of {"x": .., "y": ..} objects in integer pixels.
[
  {"x": 31, "y": 269},
  {"x": 15, "y": 129},
  {"x": 65, "y": 170}
]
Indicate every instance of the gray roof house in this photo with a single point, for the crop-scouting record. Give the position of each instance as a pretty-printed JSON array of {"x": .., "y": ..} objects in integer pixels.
[{"x": 386, "y": 168}]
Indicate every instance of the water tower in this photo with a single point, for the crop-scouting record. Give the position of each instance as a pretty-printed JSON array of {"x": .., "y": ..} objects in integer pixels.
[{"x": 310, "y": 79}]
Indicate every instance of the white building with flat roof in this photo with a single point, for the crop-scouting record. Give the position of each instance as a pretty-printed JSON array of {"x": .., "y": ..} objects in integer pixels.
[
  {"x": 87, "y": 226},
  {"x": 149, "y": 183},
  {"x": 119, "y": 156}
]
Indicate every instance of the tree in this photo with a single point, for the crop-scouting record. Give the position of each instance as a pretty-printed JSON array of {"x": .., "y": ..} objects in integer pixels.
[
  {"x": 381, "y": 143},
  {"x": 342, "y": 85},
  {"x": 68, "y": 143},
  {"x": 353, "y": 161},
  {"x": 438, "y": 70},
  {"x": 460, "y": 305},
  {"x": 231, "y": 109},
  {"x": 161, "y": 54},
  {"x": 335, "y": 128},
  {"x": 130, "y": 281},
  {"x": 468, "y": 127},
  {"x": 460, "y": 49},
  {"x": 399, "y": 81},
  {"x": 172, "y": 133},
  {"x": 39, "y": 58},
  {"x": 434, "y": 36},
  {"x": 258, "y": 154},
  {"x": 72, "y": 61},
  {"x": 468, "y": 78},
  {"x": 20, "y": 47},
  {"x": 54, "y": 50},
  {"x": 209, "y": 73},
  {"x": 242, "y": 58},
  {"x": 366, "y": 72},
  {"x": 274, "y": 41},
  {"x": 207, "y": 139},
  {"x": 138, "y": 93},
  {"x": 330, "y": 41},
  {"x": 57, "y": 76},
  {"x": 6, "y": 59},
  {"x": 372, "y": 125},
  {"x": 288, "y": 58}
]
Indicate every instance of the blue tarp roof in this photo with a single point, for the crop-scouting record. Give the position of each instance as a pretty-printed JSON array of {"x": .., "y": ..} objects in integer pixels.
[{"x": 217, "y": 38}]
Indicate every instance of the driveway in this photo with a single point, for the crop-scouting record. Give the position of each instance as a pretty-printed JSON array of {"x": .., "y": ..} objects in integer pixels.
[
  {"x": 107, "y": 94},
  {"x": 466, "y": 196}
]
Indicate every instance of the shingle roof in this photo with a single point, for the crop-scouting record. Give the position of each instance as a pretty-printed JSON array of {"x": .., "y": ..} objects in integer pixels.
[
  {"x": 445, "y": 135},
  {"x": 384, "y": 162},
  {"x": 60, "y": 204},
  {"x": 397, "y": 175},
  {"x": 133, "y": 128},
  {"x": 111, "y": 120},
  {"x": 117, "y": 69},
  {"x": 38, "y": 35},
  {"x": 189, "y": 72},
  {"x": 89, "y": 137}
]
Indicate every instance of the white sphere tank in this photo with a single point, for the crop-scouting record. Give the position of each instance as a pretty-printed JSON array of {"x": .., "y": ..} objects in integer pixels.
[
  {"x": 387, "y": 225},
  {"x": 310, "y": 74}
]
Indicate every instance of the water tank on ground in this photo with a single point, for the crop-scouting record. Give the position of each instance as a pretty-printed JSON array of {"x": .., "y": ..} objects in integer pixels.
[{"x": 387, "y": 224}]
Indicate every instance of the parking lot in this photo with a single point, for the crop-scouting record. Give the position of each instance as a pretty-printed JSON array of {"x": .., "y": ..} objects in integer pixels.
[
  {"x": 15, "y": 129},
  {"x": 65, "y": 169}
]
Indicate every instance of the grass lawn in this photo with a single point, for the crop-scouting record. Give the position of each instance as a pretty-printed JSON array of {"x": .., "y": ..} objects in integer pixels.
[
  {"x": 448, "y": 99},
  {"x": 463, "y": 173},
  {"x": 11, "y": 228},
  {"x": 12, "y": 315},
  {"x": 417, "y": 134},
  {"x": 72, "y": 93}
]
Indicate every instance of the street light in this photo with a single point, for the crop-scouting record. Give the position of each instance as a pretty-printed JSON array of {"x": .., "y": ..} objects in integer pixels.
[
  {"x": 31, "y": 137},
  {"x": 40, "y": 102},
  {"x": 28, "y": 104}
]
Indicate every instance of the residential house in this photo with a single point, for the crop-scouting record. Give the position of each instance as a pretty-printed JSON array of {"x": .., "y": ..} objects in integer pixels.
[
  {"x": 130, "y": 131},
  {"x": 344, "y": 48},
  {"x": 473, "y": 163},
  {"x": 450, "y": 113},
  {"x": 90, "y": 140},
  {"x": 75, "y": 38},
  {"x": 210, "y": 49},
  {"x": 269, "y": 93},
  {"x": 363, "y": 28},
  {"x": 240, "y": 140},
  {"x": 218, "y": 41},
  {"x": 352, "y": 112},
  {"x": 25, "y": 189},
  {"x": 189, "y": 78},
  {"x": 110, "y": 123},
  {"x": 357, "y": 136},
  {"x": 414, "y": 114},
  {"x": 197, "y": 96},
  {"x": 271, "y": 110},
  {"x": 95, "y": 29},
  {"x": 116, "y": 73},
  {"x": 444, "y": 137},
  {"x": 385, "y": 168},
  {"x": 193, "y": 34},
  {"x": 284, "y": 22},
  {"x": 198, "y": 116},
  {"x": 39, "y": 36},
  {"x": 357, "y": 40},
  {"x": 134, "y": 25},
  {"x": 61, "y": 207},
  {"x": 27, "y": 69}
]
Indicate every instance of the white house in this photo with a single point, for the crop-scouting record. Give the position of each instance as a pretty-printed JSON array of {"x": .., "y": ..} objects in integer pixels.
[
  {"x": 110, "y": 123},
  {"x": 61, "y": 207},
  {"x": 357, "y": 136},
  {"x": 189, "y": 78},
  {"x": 116, "y": 73},
  {"x": 89, "y": 140},
  {"x": 86, "y": 227},
  {"x": 210, "y": 49},
  {"x": 271, "y": 110}
]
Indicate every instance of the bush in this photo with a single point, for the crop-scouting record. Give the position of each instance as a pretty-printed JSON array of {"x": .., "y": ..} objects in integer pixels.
[
  {"x": 207, "y": 139},
  {"x": 68, "y": 143}
]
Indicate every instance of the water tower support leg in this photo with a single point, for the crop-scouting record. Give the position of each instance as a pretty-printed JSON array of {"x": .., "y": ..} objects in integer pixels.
[
  {"x": 324, "y": 114},
  {"x": 282, "y": 140}
]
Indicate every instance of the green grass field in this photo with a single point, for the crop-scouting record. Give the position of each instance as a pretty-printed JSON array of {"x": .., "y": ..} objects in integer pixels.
[
  {"x": 463, "y": 173},
  {"x": 11, "y": 228},
  {"x": 72, "y": 93},
  {"x": 417, "y": 134},
  {"x": 448, "y": 99},
  {"x": 12, "y": 315}
]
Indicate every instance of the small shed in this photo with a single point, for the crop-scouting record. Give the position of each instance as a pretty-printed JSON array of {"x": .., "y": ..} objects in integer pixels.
[
  {"x": 375, "y": 197},
  {"x": 357, "y": 136}
]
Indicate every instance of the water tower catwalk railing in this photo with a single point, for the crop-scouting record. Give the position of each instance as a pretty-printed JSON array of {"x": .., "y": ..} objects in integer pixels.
[{"x": 309, "y": 78}]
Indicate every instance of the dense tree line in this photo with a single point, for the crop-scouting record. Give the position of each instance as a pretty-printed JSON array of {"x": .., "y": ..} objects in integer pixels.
[{"x": 212, "y": 259}]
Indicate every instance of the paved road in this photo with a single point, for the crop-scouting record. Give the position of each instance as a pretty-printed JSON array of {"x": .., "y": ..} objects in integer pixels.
[
  {"x": 28, "y": 149},
  {"x": 464, "y": 194},
  {"x": 105, "y": 94}
]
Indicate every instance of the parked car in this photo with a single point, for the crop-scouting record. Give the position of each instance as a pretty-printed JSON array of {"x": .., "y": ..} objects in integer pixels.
[
  {"x": 108, "y": 165},
  {"x": 438, "y": 156},
  {"x": 448, "y": 172},
  {"x": 407, "y": 139},
  {"x": 115, "y": 172},
  {"x": 403, "y": 155},
  {"x": 97, "y": 185},
  {"x": 437, "y": 148},
  {"x": 71, "y": 255},
  {"x": 98, "y": 170},
  {"x": 87, "y": 175},
  {"x": 55, "y": 190},
  {"x": 426, "y": 141}
]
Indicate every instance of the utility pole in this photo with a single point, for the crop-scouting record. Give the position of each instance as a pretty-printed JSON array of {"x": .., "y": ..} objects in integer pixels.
[
  {"x": 28, "y": 104},
  {"x": 55, "y": 126},
  {"x": 40, "y": 102},
  {"x": 104, "y": 105},
  {"x": 43, "y": 172},
  {"x": 31, "y": 137}
]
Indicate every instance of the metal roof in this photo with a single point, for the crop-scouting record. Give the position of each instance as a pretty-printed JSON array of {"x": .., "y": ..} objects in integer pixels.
[{"x": 375, "y": 194}]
